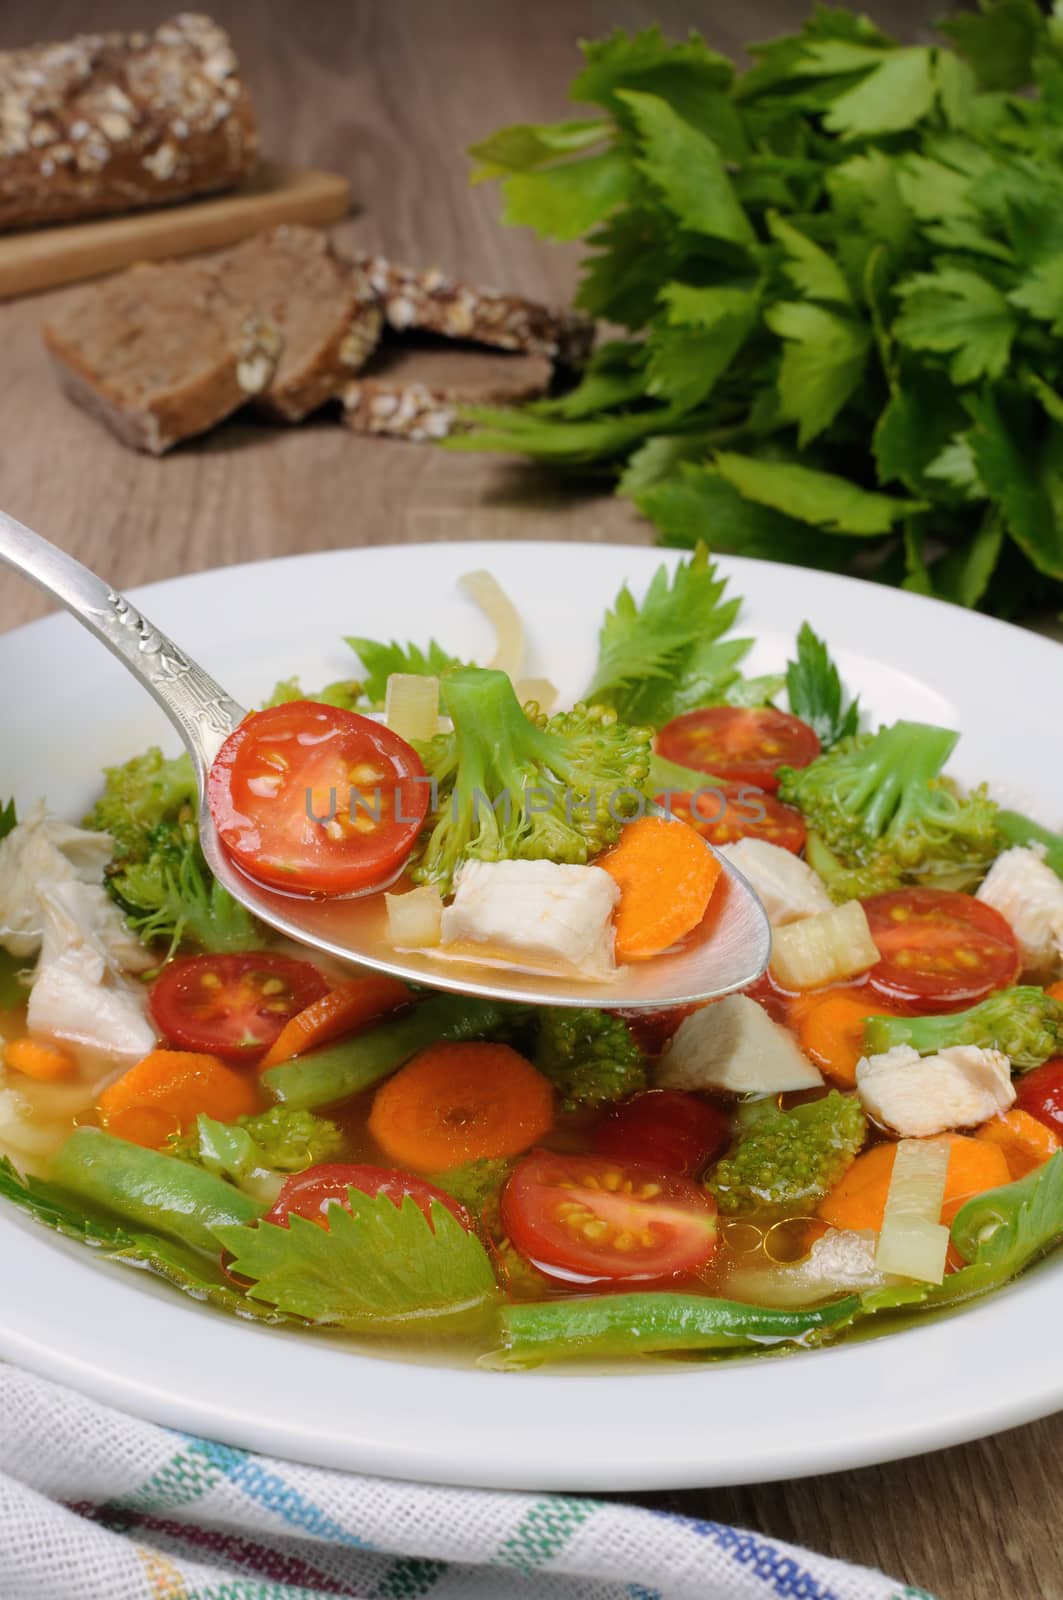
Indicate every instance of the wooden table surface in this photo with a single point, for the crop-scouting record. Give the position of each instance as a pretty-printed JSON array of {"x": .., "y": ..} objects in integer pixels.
[{"x": 390, "y": 92}]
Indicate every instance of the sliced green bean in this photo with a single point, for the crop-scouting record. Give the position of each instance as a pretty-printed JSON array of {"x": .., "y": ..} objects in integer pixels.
[
  {"x": 341, "y": 1070},
  {"x": 623, "y": 1325},
  {"x": 148, "y": 1189}
]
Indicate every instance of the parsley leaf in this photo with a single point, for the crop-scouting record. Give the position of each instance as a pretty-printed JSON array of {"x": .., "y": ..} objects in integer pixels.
[
  {"x": 688, "y": 170},
  {"x": 815, "y": 690},
  {"x": 375, "y": 1264},
  {"x": 823, "y": 361},
  {"x": 381, "y": 660},
  {"x": 819, "y": 498},
  {"x": 668, "y": 655},
  {"x": 898, "y": 92},
  {"x": 956, "y": 309}
]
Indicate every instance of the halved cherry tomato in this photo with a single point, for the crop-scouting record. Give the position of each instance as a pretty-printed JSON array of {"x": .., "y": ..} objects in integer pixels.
[
  {"x": 232, "y": 1006},
  {"x": 739, "y": 744},
  {"x": 740, "y": 811},
  {"x": 1040, "y": 1093},
  {"x": 314, "y": 799},
  {"x": 588, "y": 1219},
  {"x": 940, "y": 950},
  {"x": 309, "y": 1194},
  {"x": 662, "y": 1128}
]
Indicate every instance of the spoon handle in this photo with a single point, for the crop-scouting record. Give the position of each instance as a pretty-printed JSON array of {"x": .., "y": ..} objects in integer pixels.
[{"x": 198, "y": 707}]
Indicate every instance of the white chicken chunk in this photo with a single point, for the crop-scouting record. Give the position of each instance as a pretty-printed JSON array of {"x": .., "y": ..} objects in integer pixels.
[
  {"x": 533, "y": 914},
  {"x": 918, "y": 1095},
  {"x": 787, "y": 886},
  {"x": 1029, "y": 896},
  {"x": 39, "y": 851},
  {"x": 79, "y": 990},
  {"x": 734, "y": 1046}
]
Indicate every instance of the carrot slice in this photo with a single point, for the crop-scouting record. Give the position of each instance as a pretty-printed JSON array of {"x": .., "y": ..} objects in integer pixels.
[
  {"x": 1026, "y": 1143},
  {"x": 175, "y": 1085},
  {"x": 48, "y": 1063},
  {"x": 859, "y": 1199},
  {"x": 1055, "y": 991},
  {"x": 831, "y": 1032},
  {"x": 666, "y": 875},
  {"x": 350, "y": 1005},
  {"x": 460, "y": 1102}
]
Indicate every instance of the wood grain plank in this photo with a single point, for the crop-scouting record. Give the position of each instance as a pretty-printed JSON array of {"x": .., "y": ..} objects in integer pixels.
[
  {"x": 388, "y": 92},
  {"x": 46, "y": 258}
]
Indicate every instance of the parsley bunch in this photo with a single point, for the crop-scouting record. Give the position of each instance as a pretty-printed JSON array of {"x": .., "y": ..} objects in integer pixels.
[{"x": 842, "y": 275}]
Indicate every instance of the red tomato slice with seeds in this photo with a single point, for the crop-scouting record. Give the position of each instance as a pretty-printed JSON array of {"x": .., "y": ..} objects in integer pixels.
[
  {"x": 739, "y": 744},
  {"x": 666, "y": 1128},
  {"x": 590, "y": 1219},
  {"x": 317, "y": 800},
  {"x": 940, "y": 950},
  {"x": 232, "y": 1006},
  {"x": 309, "y": 1194},
  {"x": 1040, "y": 1094},
  {"x": 740, "y": 811}
]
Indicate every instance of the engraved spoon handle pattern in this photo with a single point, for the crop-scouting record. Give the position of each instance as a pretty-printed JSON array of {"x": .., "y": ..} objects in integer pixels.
[{"x": 199, "y": 708}]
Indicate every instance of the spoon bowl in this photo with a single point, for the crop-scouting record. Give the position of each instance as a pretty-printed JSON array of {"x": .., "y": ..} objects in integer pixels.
[{"x": 728, "y": 951}]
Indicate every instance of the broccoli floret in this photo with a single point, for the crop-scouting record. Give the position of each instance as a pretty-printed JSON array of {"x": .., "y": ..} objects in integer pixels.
[
  {"x": 514, "y": 786},
  {"x": 881, "y": 814},
  {"x": 159, "y": 876},
  {"x": 589, "y": 1056},
  {"x": 1024, "y": 1023},
  {"x": 478, "y": 1187},
  {"x": 139, "y": 796},
  {"x": 277, "y": 1140},
  {"x": 171, "y": 895},
  {"x": 787, "y": 1158},
  {"x": 346, "y": 693}
]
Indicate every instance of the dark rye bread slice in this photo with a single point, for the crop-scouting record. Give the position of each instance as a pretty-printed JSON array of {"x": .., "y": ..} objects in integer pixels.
[
  {"x": 328, "y": 314},
  {"x": 429, "y": 301},
  {"x": 161, "y": 353},
  {"x": 414, "y": 391}
]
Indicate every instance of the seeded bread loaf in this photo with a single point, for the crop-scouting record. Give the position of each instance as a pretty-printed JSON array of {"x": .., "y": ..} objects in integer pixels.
[
  {"x": 115, "y": 122},
  {"x": 161, "y": 353},
  {"x": 414, "y": 391},
  {"x": 328, "y": 315},
  {"x": 431, "y": 302}
]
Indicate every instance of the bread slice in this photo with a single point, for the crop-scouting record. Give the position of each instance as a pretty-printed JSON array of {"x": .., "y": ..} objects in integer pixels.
[
  {"x": 414, "y": 391},
  {"x": 161, "y": 353},
  {"x": 431, "y": 302},
  {"x": 327, "y": 312}
]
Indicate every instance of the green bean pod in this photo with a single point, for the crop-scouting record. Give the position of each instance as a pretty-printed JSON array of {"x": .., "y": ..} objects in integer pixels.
[
  {"x": 339, "y": 1071},
  {"x": 614, "y": 1326},
  {"x": 147, "y": 1189}
]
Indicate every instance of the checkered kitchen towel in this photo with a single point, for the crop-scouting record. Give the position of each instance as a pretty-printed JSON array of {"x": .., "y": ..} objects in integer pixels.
[{"x": 95, "y": 1505}]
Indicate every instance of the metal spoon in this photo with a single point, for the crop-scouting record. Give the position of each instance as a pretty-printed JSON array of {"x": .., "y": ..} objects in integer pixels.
[{"x": 727, "y": 952}]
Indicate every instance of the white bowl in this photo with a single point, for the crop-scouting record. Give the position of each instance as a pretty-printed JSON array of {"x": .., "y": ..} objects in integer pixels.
[{"x": 126, "y": 1338}]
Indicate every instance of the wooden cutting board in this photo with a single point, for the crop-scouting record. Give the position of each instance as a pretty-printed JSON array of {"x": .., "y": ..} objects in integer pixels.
[{"x": 43, "y": 258}]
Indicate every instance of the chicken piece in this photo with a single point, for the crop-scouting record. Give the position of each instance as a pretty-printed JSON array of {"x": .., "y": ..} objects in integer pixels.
[
  {"x": 533, "y": 914},
  {"x": 918, "y": 1095},
  {"x": 734, "y": 1046},
  {"x": 788, "y": 886},
  {"x": 1029, "y": 896},
  {"x": 79, "y": 991},
  {"x": 41, "y": 851}
]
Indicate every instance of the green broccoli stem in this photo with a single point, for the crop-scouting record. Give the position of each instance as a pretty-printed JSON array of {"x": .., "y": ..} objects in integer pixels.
[
  {"x": 342, "y": 1070},
  {"x": 149, "y": 1189},
  {"x": 1023, "y": 1023},
  {"x": 1017, "y": 829},
  {"x": 619, "y": 1325},
  {"x": 901, "y": 760}
]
